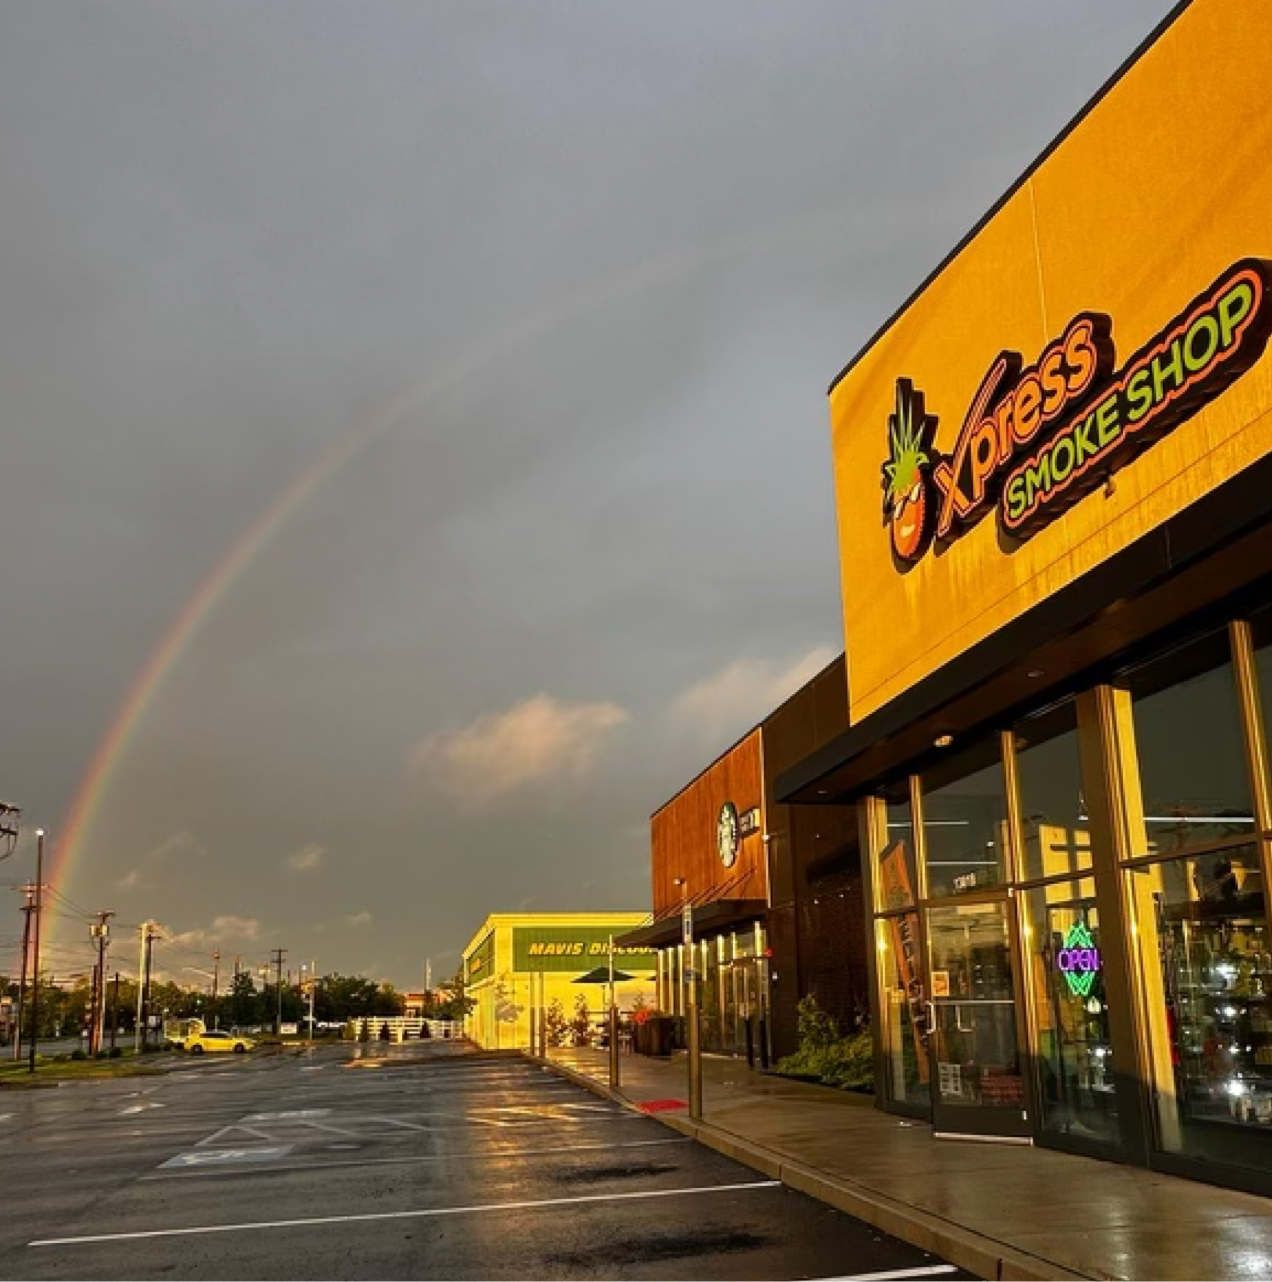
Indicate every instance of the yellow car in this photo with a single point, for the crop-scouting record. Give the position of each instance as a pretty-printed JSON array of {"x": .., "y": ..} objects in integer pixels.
[{"x": 217, "y": 1040}]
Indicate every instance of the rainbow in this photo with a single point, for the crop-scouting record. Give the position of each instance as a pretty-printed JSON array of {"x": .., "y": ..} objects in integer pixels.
[
  {"x": 165, "y": 656},
  {"x": 87, "y": 803}
]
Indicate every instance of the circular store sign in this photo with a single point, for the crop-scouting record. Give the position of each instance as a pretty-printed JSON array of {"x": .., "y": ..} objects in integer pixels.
[{"x": 727, "y": 834}]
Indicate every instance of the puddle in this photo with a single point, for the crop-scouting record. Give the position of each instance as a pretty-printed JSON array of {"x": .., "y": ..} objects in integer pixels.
[{"x": 658, "y": 1246}]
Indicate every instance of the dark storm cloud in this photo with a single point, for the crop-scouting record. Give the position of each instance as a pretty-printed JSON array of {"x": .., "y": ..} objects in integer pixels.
[{"x": 606, "y": 258}]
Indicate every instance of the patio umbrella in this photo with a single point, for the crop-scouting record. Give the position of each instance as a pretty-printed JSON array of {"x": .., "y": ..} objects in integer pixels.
[{"x": 601, "y": 975}]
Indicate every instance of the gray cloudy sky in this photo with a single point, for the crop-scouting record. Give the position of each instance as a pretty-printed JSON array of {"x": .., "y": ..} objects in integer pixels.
[{"x": 575, "y": 276}]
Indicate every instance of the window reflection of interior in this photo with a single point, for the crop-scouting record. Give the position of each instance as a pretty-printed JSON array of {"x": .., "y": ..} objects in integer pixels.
[
  {"x": 1054, "y": 823},
  {"x": 965, "y": 832},
  {"x": 1075, "y": 1056},
  {"x": 1216, "y": 963},
  {"x": 1189, "y": 741},
  {"x": 974, "y": 1002}
]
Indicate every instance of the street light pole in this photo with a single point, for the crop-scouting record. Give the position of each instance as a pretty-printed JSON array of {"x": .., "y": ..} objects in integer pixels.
[
  {"x": 35, "y": 971},
  {"x": 278, "y": 964}
]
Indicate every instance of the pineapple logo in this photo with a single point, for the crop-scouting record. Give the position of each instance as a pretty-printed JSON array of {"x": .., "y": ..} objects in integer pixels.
[{"x": 907, "y": 483}]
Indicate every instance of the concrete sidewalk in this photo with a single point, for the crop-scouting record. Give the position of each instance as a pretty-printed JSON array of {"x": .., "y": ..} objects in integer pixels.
[{"x": 1001, "y": 1211}]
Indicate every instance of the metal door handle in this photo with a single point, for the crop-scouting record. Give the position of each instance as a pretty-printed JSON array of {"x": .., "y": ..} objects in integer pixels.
[{"x": 931, "y": 1017}]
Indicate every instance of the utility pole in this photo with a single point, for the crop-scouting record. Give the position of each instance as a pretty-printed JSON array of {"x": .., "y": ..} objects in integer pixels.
[
  {"x": 278, "y": 968},
  {"x": 27, "y": 909},
  {"x": 149, "y": 933},
  {"x": 114, "y": 1013},
  {"x": 216, "y": 972},
  {"x": 35, "y": 969},
  {"x": 9, "y": 818},
  {"x": 100, "y": 931},
  {"x": 151, "y": 936}
]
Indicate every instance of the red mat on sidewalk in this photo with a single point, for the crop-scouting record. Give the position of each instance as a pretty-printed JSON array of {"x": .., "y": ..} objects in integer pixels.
[{"x": 660, "y": 1105}]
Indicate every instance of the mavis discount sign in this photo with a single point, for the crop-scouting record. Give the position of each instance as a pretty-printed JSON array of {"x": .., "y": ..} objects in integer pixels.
[{"x": 575, "y": 949}]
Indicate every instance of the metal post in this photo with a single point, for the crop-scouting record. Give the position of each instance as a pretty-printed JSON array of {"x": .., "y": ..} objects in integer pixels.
[
  {"x": 114, "y": 1014},
  {"x": 35, "y": 968},
  {"x": 148, "y": 944},
  {"x": 27, "y": 909},
  {"x": 141, "y": 975},
  {"x": 613, "y": 1022},
  {"x": 691, "y": 1016},
  {"x": 99, "y": 930},
  {"x": 278, "y": 966}
]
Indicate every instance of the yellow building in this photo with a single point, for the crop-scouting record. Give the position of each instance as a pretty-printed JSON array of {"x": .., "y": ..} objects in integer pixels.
[
  {"x": 518, "y": 964},
  {"x": 1053, "y": 482}
]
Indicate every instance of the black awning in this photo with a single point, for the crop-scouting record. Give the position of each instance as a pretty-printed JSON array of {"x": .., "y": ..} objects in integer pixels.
[{"x": 708, "y": 919}]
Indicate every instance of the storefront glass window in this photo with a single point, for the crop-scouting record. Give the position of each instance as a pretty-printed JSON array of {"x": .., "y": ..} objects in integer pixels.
[
  {"x": 1066, "y": 972},
  {"x": 1261, "y": 625},
  {"x": 1057, "y": 838},
  {"x": 903, "y": 1009},
  {"x": 1193, "y": 773},
  {"x": 1216, "y": 960},
  {"x": 965, "y": 822},
  {"x": 710, "y": 1013},
  {"x": 897, "y": 883},
  {"x": 973, "y": 999}
]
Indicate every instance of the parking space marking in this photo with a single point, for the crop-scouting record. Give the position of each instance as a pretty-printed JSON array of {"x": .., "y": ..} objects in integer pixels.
[
  {"x": 422, "y": 1214},
  {"x": 225, "y": 1132},
  {"x": 925, "y": 1271},
  {"x": 209, "y": 1157},
  {"x": 311, "y": 1123},
  {"x": 303, "y": 1113},
  {"x": 481, "y": 1154},
  {"x": 140, "y": 1108}
]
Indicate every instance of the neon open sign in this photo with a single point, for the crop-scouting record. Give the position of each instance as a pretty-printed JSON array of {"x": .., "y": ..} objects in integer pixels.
[{"x": 1079, "y": 960}]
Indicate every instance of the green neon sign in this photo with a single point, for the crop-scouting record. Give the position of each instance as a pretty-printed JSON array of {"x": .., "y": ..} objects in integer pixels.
[{"x": 1079, "y": 960}]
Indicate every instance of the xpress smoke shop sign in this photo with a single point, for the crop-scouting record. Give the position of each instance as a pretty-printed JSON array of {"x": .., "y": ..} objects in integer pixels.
[{"x": 1037, "y": 438}]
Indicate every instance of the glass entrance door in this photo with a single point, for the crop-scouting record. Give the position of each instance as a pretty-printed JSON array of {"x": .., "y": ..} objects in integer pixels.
[{"x": 977, "y": 1084}]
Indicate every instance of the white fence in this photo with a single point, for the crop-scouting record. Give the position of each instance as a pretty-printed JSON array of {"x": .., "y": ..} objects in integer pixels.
[{"x": 401, "y": 1028}]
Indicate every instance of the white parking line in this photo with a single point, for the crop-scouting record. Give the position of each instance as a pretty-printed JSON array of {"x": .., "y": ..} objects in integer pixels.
[
  {"x": 379, "y": 1216},
  {"x": 926, "y": 1271}
]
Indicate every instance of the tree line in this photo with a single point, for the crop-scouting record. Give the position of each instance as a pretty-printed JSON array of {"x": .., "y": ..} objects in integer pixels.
[{"x": 65, "y": 1008}]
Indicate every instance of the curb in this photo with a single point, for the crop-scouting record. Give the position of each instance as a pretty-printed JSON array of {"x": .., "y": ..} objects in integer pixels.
[{"x": 976, "y": 1252}]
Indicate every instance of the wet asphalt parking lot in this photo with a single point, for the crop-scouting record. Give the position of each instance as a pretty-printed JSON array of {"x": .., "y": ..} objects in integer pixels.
[{"x": 415, "y": 1161}]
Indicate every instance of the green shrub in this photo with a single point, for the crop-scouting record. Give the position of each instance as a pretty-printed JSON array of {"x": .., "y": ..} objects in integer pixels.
[
  {"x": 116, "y": 1052},
  {"x": 77, "y": 1054},
  {"x": 843, "y": 1062},
  {"x": 817, "y": 1030}
]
